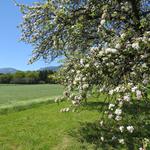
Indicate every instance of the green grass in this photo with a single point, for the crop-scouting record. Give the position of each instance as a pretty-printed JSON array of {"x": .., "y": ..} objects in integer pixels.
[
  {"x": 43, "y": 128},
  {"x": 11, "y": 94}
]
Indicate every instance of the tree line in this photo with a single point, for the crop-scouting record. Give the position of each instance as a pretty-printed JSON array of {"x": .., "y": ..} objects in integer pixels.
[{"x": 28, "y": 77}]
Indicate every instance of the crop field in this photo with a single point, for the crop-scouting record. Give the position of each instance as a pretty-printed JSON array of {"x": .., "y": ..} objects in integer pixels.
[
  {"x": 42, "y": 127},
  {"x": 11, "y": 94}
]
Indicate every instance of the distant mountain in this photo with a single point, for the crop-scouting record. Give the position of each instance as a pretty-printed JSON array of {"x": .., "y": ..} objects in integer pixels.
[
  {"x": 53, "y": 68},
  {"x": 7, "y": 70},
  {"x": 13, "y": 70}
]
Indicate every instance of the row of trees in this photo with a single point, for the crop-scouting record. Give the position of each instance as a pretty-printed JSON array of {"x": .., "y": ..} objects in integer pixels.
[{"x": 29, "y": 77}]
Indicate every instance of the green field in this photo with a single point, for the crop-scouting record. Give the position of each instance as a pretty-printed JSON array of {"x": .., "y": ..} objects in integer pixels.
[
  {"x": 11, "y": 94},
  {"x": 42, "y": 127}
]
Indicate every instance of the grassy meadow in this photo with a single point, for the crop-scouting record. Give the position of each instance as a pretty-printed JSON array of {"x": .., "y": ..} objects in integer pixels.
[
  {"x": 21, "y": 97},
  {"x": 42, "y": 127},
  {"x": 30, "y": 120},
  {"x": 12, "y": 93}
]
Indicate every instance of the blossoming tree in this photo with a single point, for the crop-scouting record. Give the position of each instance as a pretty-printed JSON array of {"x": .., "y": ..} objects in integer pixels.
[{"x": 107, "y": 49}]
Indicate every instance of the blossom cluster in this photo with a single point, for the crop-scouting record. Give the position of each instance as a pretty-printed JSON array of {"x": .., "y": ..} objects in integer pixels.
[{"x": 121, "y": 70}]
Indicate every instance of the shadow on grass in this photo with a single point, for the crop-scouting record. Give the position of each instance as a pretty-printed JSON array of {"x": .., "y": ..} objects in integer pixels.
[
  {"x": 94, "y": 106},
  {"x": 137, "y": 114},
  {"x": 141, "y": 107}
]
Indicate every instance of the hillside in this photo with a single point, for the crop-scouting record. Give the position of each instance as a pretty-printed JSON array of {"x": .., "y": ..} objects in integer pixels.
[
  {"x": 8, "y": 70},
  {"x": 13, "y": 70}
]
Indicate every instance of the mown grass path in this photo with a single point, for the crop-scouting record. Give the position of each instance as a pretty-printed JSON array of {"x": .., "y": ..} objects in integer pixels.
[{"x": 42, "y": 128}]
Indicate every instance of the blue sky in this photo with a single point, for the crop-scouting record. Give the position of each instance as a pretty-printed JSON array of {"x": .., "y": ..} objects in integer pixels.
[{"x": 12, "y": 52}]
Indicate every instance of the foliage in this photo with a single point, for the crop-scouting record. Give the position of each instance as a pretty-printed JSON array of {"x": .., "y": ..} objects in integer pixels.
[
  {"x": 5, "y": 78},
  {"x": 61, "y": 27},
  {"x": 29, "y": 77}
]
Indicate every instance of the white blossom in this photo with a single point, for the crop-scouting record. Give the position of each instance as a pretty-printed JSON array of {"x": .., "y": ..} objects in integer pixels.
[
  {"x": 118, "y": 46},
  {"x": 106, "y": 112},
  {"x": 102, "y": 138},
  {"x": 74, "y": 102},
  {"x": 117, "y": 89},
  {"x": 102, "y": 22},
  {"x": 123, "y": 35},
  {"x": 118, "y": 112},
  {"x": 85, "y": 86},
  {"x": 87, "y": 65},
  {"x": 102, "y": 89},
  {"x": 111, "y": 92},
  {"x": 96, "y": 64},
  {"x": 104, "y": 15},
  {"x": 100, "y": 53},
  {"x": 78, "y": 71},
  {"x": 72, "y": 70},
  {"x": 81, "y": 61},
  {"x": 126, "y": 98},
  {"x": 120, "y": 103},
  {"x": 118, "y": 118},
  {"x": 138, "y": 94},
  {"x": 110, "y": 116},
  {"x": 121, "y": 141},
  {"x": 145, "y": 81},
  {"x": 130, "y": 84},
  {"x": 56, "y": 100},
  {"x": 145, "y": 75},
  {"x": 134, "y": 89},
  {"x": 111, "y": 106},
  {"x": 135, "y": 45},
  {"x": 110, "y": 50},
  {"x": 94, "y": 49},
  {"x": 114, "y": 138},
  {"x": 77, "y": 78},
  {"x": 128, "y": 45},
  {"x": 84, "y": 79},
  {"x": 119, "y": 99},
  {"x": 115, "y": 13},
  {"x": 78, "y": 98},
  {"x": 121, "y": 128},
  {"x": 74, "y": 82},
  {"x": 101, "y": 123},
  {"x": 144, "y": 65},
  {"x": 146, "y": 140},
  {"x": 130, "y": 129},
  {"x": 67, "y": 109}
]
